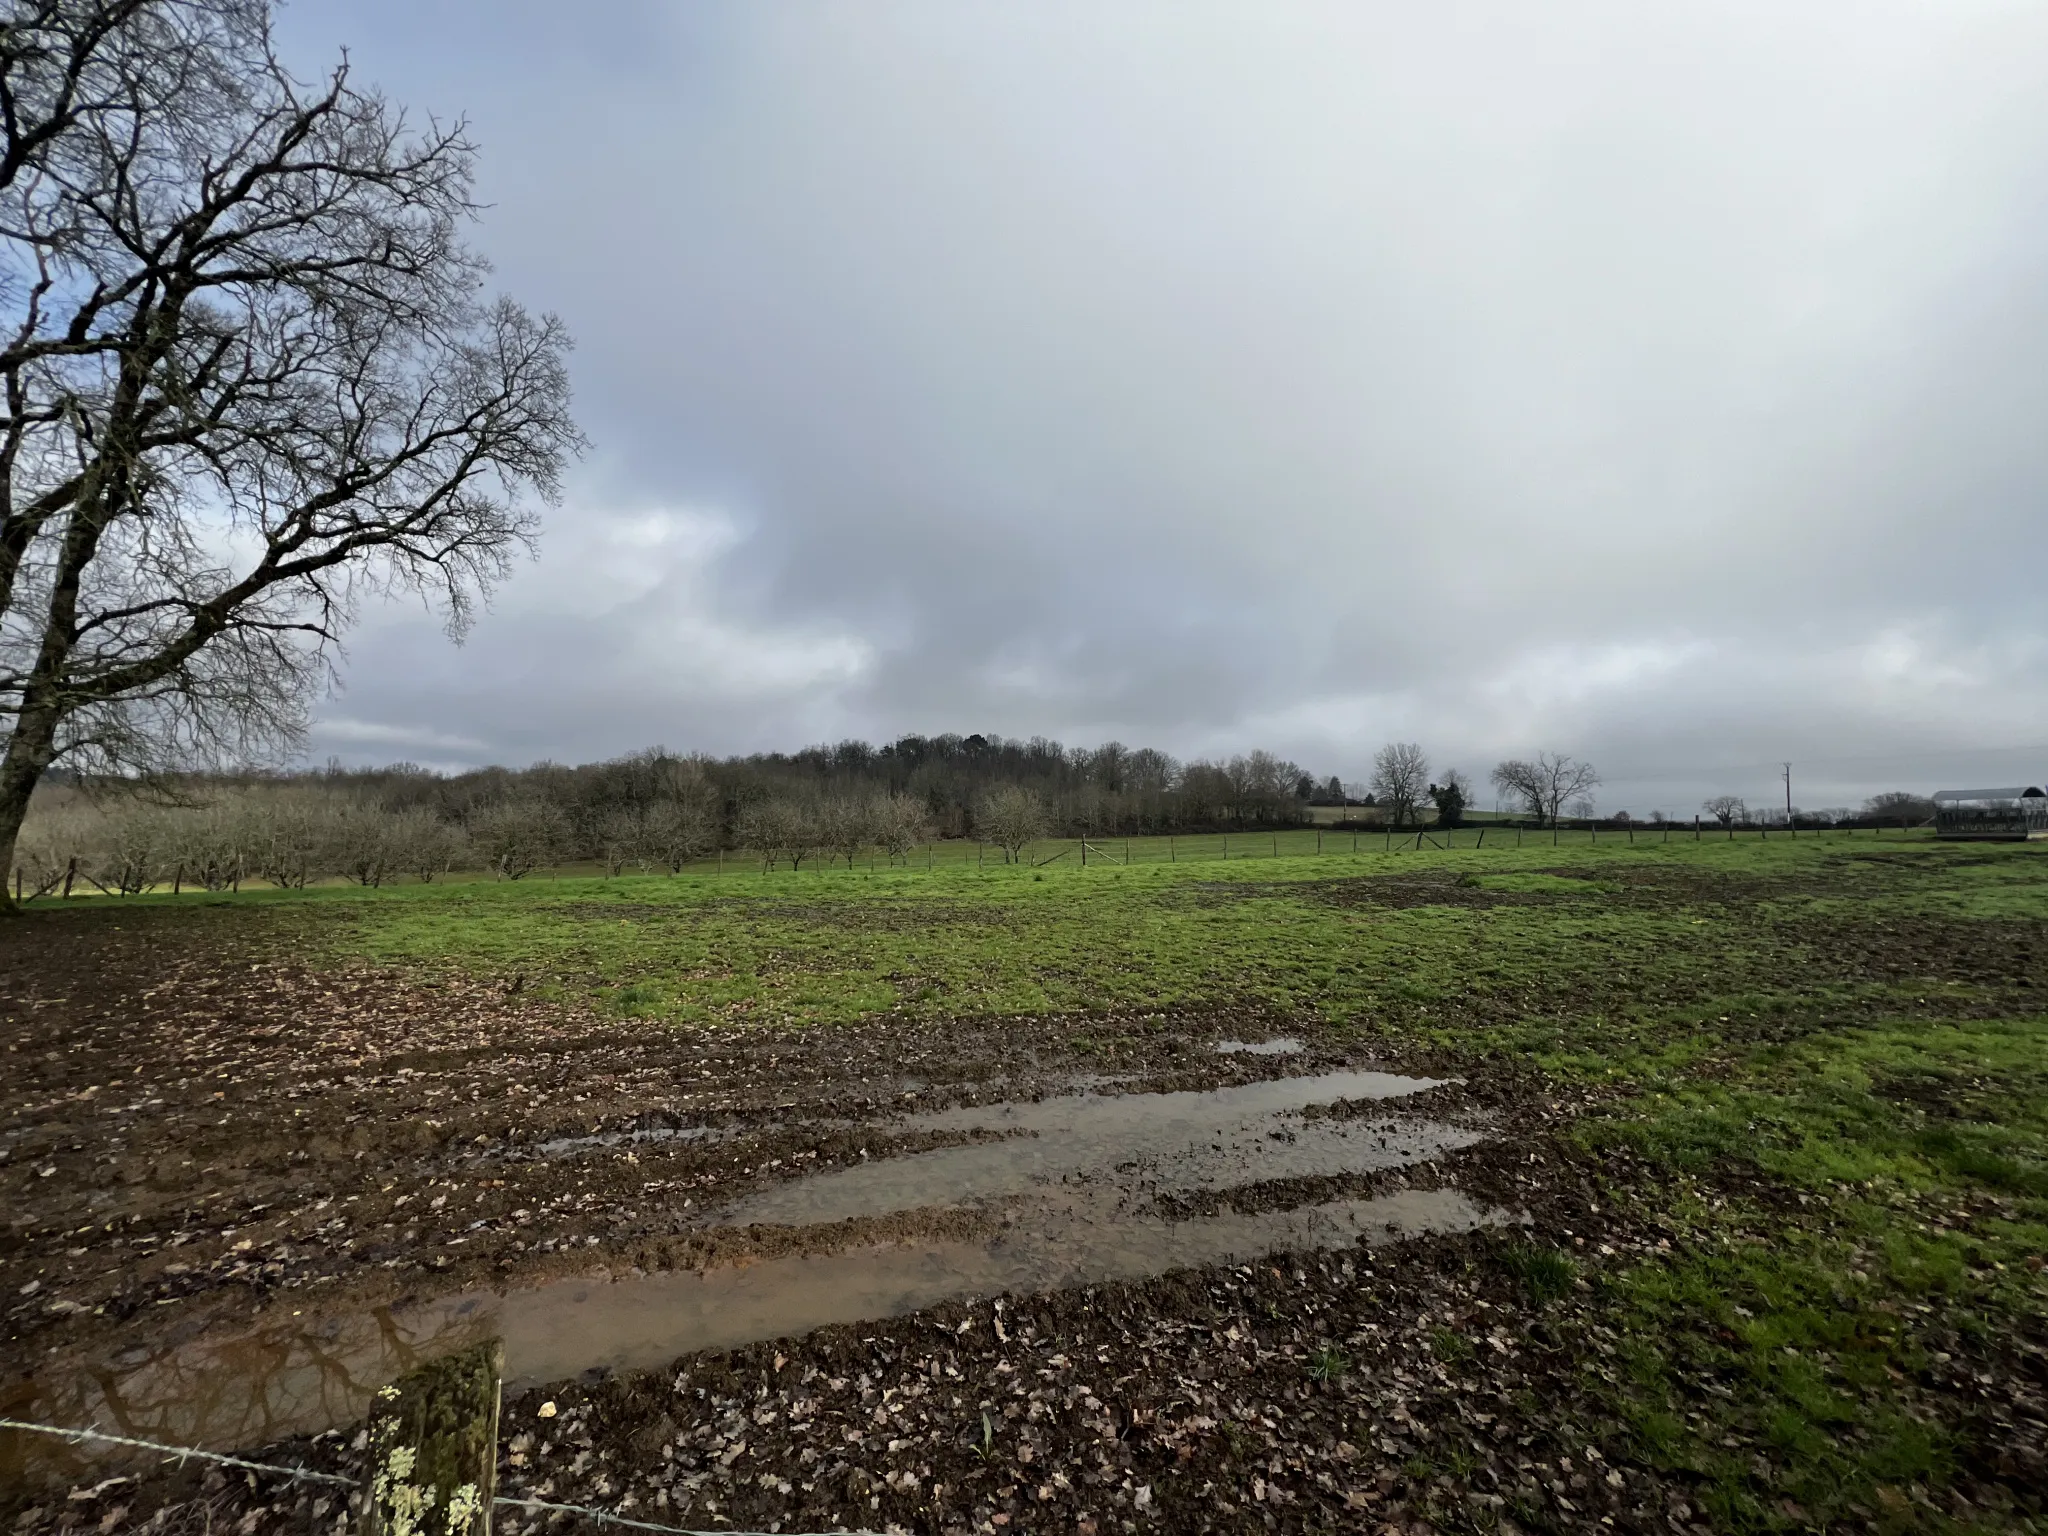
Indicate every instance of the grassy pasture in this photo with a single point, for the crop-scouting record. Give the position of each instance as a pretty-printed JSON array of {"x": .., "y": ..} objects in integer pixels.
[{"x": 1817, "y": 1015}]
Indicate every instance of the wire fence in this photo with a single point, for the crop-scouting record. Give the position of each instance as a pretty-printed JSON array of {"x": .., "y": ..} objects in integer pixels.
[
  {"x": 1278, "y": 843},
  {"x": 184, "y": 1453}
]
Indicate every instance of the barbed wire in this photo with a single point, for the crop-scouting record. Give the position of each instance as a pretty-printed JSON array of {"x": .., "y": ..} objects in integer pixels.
[
  {"x": 182, "y": 1452},
  {"x": 307, "y": 1474}
]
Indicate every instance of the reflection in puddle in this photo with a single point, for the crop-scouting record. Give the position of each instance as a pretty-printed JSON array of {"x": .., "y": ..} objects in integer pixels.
[
  {"x": 1125, "y": 1144},
  {"x": 1074, "y": 1182},
  {"x": 1287, "y": 1045}
]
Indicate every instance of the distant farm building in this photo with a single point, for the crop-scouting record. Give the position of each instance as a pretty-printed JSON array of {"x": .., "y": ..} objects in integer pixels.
[{"x": 1991, "y": 815}]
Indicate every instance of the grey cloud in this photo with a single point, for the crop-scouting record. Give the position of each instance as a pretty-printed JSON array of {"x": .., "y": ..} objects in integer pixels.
[{"x": 1658, "y": 384}]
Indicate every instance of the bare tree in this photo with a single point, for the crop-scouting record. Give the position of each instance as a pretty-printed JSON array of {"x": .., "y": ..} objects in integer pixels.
[
  {"x": 620, "y": 837},
  {"x": 1726, "y": 809},
  {"x": 1011, "y": 818},
  {"x": 518, "y": 836},
  {"x": 129, "y": 853},
  {"x": 1400, "y": 778},
  {"x": 248, "y": 374},
  {"x": 287, "y": 837},
  {"x": 782, "y": 829},
  {"x": 430, "y": 846},
  {"x": 220, "y": 841},
  {"x": 675, "y": 832},
  {"x": 901, "y": 824},
  {"x": 1547, "y": 784},
  {"x": 1261, "y": 787},
  {"x": 847, "y": 824},
  {"x": 365, "y": 842}
]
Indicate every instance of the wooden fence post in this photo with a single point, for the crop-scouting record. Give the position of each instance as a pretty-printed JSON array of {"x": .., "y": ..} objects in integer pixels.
[{"x": 434, "y": 1448}]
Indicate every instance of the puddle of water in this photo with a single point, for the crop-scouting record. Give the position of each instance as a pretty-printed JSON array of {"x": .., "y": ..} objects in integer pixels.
[
  {"x": 1286, "y": 1045},
  {"x": 240, "y": 1392},
  {"x": 1075, "y": 1179},
  {"x": 567, "y": 1146},
  {"x": 1134, "y": 1143}
]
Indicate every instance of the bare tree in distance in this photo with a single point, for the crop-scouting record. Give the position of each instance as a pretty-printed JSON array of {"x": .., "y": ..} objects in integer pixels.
[
  {"x": 431, "y": 845},
  {"x": 288, "y": 838},
  {"x": 1545, "y": 785},
  {"x": 519, "y": 836},
  {"x": 364, "y": 843},
  {"x": 849, "y": 825},
  {"x": 672, "y": 833},
  {"x": 1012, "y": 819},
  {"x": 619, "y": 839},
  {"x": 248, "y": 376},
  {"x": 1400, "y": 778},
  {"x": 901, "y": 824},
  {"x": 1726, "y": 809},
  {"x": 783, "y": 829}
]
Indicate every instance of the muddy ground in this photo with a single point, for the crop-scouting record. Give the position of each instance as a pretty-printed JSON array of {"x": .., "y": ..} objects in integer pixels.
[{"x": 201, "y": 1134}]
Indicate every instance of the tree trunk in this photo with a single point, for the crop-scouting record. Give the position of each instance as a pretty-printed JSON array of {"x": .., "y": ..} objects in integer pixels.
[{"x": 29, "y": 752}]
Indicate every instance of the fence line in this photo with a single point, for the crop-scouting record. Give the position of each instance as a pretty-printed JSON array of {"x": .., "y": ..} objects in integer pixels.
[{"x": 307, "y": 1474}]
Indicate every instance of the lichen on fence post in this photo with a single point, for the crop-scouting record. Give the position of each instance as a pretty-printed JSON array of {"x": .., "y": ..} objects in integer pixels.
[{"x": 433, "y": 1443}]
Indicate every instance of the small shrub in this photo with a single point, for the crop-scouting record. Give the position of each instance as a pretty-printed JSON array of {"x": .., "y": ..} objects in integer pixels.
[
  {"x": 1545, "y": 1273},
  {"x": 638, "y": 1000}
]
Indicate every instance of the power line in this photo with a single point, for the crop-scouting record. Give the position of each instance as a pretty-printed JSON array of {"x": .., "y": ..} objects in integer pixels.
[{"x": 1710, "y": 769}]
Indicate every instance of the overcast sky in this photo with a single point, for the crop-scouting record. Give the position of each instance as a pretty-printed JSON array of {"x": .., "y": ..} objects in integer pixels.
[{"x": 1663, "y": 384}]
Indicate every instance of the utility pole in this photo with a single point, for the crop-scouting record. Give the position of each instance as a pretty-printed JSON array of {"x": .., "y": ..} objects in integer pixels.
[{"x": 1788, "y": 794}]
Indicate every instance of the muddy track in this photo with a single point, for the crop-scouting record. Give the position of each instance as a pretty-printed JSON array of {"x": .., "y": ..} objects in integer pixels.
[{"x": 203, "y": 1136}]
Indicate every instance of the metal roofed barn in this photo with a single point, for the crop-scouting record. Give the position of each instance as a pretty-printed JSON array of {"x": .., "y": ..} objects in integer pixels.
[{"x": 1991, "y": 815}]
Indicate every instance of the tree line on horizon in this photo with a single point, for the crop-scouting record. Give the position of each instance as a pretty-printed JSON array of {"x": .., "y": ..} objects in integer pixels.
[
  {"x": 654, "y": 810},
  {"x": 658, "y": 811}
]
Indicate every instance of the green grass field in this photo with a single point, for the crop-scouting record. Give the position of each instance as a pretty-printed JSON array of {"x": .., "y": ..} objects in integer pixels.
[
  {"x": 1806, "y": 1009},
  {"x": 1819, "y": 1060}
]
